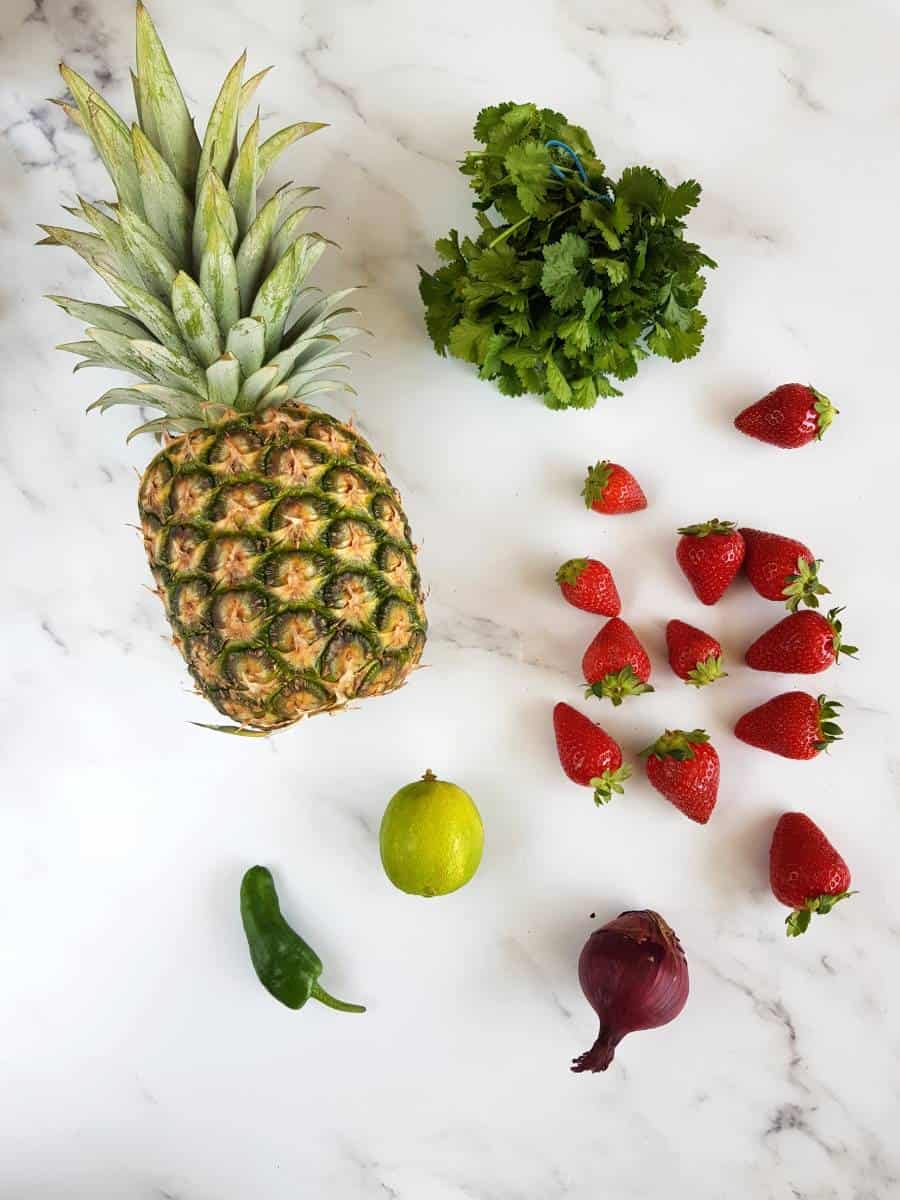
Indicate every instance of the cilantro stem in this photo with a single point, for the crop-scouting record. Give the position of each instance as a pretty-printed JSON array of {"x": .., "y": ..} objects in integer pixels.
[{"x": 506, "y": 232}]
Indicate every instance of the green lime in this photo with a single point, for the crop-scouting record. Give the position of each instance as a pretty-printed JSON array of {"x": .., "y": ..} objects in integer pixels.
[{"x": 431, "y": 837}]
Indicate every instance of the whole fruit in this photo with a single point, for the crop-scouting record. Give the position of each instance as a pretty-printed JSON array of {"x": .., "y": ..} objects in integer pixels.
[
  {"x": 792, "y": 415},
  {"x": 431, "y": 837},
  {"x": 805, "y": 871},
  {"x": 710, "y": 554},
  {"x": 802, "y": 644}
]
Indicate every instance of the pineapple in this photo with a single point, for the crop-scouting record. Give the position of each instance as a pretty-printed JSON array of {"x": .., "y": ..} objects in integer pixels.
[{"x": 277, "y": 542}]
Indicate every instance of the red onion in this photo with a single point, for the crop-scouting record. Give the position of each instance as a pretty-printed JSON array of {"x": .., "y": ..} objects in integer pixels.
[{"x": 635, "y": 976}]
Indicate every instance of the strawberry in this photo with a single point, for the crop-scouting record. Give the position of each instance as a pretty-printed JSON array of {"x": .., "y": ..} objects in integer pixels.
[
  {"x": 710, "y": 556},
  {"x": 587, "y": 753},
  {"x": 615, "y": 664},
  {"x": 790, "y": 416},
  {"x": 794, "y": 725},
  {"x": 611, "y": 489},
  {"x": 782, "y": 569},
  {"x": 802, "y": 644},
  {"x": 805, "y": 871},
  {"x": 588, "y": 584},
  {"x": 694, "y": 656},
  {"x": 685, "y": 768}
]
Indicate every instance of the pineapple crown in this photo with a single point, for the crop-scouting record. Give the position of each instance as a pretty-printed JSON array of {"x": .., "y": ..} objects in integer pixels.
[{"x": 208, "y": 279}]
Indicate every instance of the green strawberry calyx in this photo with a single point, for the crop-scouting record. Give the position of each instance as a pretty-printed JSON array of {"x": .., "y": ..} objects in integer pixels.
[
  {"x": 595, "y": 485},
  {"x": 705, "y": 528},
  {"x": 676, "y": 743},
  {"x": 804, "y": 586},
  {"x": 707, "y": 671},
  {"x": 617, "y": 685},
  {"x": 799, "y": 919},
  {"x": 838, "y": 645},
  {"x": 825, "y": 412},
  {"x": 570, "y": 572},
  {"x": 829, "y": 730},
  {"x": 609, "y": 784}
]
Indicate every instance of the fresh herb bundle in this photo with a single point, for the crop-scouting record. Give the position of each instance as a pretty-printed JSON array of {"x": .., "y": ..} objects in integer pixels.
[{"x": 579, "y": 280}]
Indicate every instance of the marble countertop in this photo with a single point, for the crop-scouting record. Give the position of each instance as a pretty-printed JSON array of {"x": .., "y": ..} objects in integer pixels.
[{"x": 140, "y": 1057}]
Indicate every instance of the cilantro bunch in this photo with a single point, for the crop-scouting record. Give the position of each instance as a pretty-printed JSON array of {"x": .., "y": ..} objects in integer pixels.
[{"x": 569, "y": 283}]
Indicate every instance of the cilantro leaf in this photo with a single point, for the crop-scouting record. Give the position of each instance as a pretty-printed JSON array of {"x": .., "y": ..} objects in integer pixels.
[{"x": 561, "y": 278}]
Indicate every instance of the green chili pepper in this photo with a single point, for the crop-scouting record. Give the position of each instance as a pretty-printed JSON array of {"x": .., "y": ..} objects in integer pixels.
[{"x": 286, "y": 966}]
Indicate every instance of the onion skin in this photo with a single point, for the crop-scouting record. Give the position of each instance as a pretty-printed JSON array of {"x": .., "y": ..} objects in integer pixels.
[{"x": 634, "y": 974}]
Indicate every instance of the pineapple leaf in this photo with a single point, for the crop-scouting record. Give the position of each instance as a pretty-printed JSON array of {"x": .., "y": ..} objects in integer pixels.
[
  {"x": 273, "y": 146},
  {"x": 148, "y": 310},
  {"x": 173, "y": 403},
  {"x": 223, "y": 379},
  {"x": 310, "y": 388},
  {"x": 254, "y": 387},
  {"x": 71, "y": 112},
  {"x": 167, "y": 208},
  {"x": 114, "y": 146},
  {"x": 317, "y": 311},
  {"x": 213, "y": 204},
  {"x": 163, "y": 109},
  {"x": 196, "y": 319},
  {"x": 169, "y": 368},
  {"x": 276, "y": 296},
  {"x": 288, "y": 232},
  {"x": 218, "y": 277},
  {"x": 275, "y": 398},
  {"x": 166, "y": 425},
  {"x": 151, "y": 254},
  {"x": 108, "y": 141},
  {"x": 242, "y": 181},
  {"x": 221, "y": 129},
  {"x": 119, "y": 351},
  {"x": 111, "y": 232},
  {"x": 128, "y": 396},
  {"x": 144, "y": 110},
  {"x": 252, "y": 251},
  {"x": 95, "y": 251},
  {"x": 248, "y": 90},
  {"x": 105, "y": 316},
  {"x": 247, "y": 342}
]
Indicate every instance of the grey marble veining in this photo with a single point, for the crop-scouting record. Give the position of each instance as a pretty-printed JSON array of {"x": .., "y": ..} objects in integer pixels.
[{"x": 140, "y": 1058}]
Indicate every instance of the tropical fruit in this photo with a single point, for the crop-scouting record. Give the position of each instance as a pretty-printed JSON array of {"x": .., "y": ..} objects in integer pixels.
[{"x": 278, "y": 544}]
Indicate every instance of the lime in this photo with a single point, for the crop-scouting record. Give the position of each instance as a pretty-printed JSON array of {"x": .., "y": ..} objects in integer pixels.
[{"x": 431, "y": 837}]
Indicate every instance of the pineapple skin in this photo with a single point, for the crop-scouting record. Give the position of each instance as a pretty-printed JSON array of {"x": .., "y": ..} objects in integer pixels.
[{"x": 285, "y": 563}]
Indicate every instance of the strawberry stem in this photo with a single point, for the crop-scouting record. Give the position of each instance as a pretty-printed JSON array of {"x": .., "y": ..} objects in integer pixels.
[
  {"x": 707, "y": 671},
  {"x": 825, "y": 412},
  {"x": 676, "y": 743},
  {"x": 617, "y": 685},
  {"x": 609, "y": 784},
  {"x": 595, "y": 484},
  {"x": 804, "y": 587},
  {"x": 707, "y": 527},
  {"x": 799, "y": 919}
]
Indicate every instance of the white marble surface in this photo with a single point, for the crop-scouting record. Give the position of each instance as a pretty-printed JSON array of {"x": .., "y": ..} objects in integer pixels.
[{"x": 139, "y": 1056}]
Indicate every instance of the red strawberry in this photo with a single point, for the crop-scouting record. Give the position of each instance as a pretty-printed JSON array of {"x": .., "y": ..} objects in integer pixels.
[
  {"x": 792, "y": 415},
  {"x": 805, "y": 871},
  {"x": 588, "y": 754},
  {"x": 611, "y": 489},
  {"x": 710, "y": 555},
  {"x": 782, "y": 569},
  {"x": 794, "y": 725},
  {"x": 694, "y": 656},
  {"x": 615, "y": 664},
  {"x": 802, "y": 644},
  {"x": 685, "y": 768},
  {"x": 588, "y": 584}
]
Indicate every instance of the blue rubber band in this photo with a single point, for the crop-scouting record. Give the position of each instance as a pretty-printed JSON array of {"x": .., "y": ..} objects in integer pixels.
[{"x": 579, "y": 167}]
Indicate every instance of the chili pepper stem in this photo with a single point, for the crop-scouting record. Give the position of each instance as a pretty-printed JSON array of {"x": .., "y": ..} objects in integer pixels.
[{"x": 319, "y": 993}]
